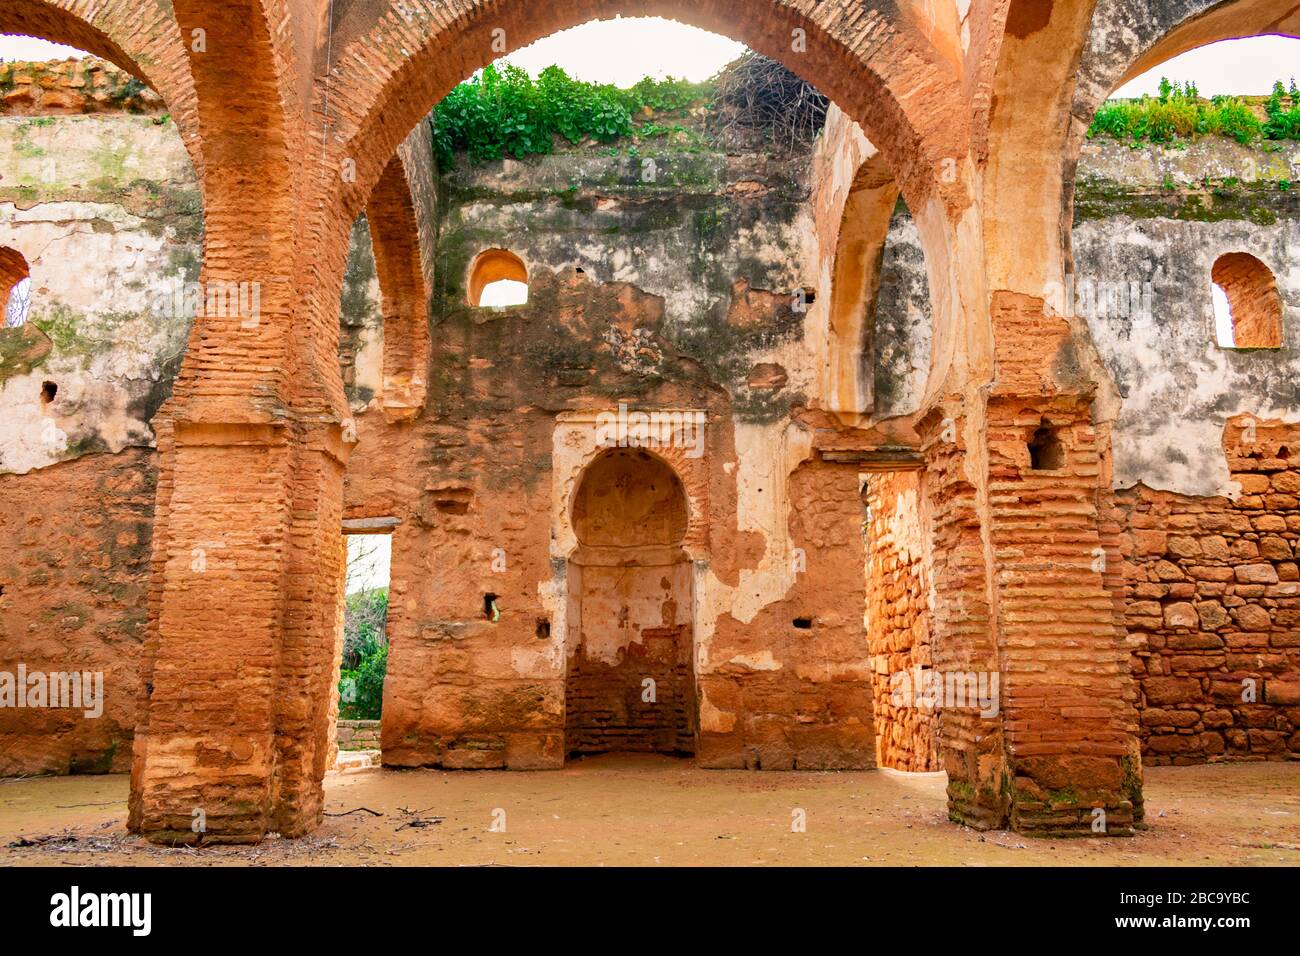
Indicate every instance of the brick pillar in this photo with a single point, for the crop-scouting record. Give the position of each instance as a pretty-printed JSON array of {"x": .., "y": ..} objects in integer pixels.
[
  {"x": 962, "y": 629},
  {"x": 311, "y": 642},
  {"x": 246, "y": 582},
  {"x": 240, "y": 664},
  {"x": 240, "y": 685},
  {"x": 1068, "y": 700},
  {"x": 1027, "y": 578},
  {"x": 1040, "y": 614}
]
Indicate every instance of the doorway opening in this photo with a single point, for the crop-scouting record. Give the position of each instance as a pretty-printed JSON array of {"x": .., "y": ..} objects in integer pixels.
[
  {"x": 630, "y": 679},
  {"x": 363, "y": 662}
]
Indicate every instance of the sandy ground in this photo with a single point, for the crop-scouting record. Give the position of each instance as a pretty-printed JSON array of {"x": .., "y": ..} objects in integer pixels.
[{"x": 648, "y": 811}]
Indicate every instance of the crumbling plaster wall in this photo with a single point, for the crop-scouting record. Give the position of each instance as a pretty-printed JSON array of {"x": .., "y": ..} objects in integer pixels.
[
  {"x": 74, "y": 571},
  {"x": 361, "y": 322},
  {"x": 102, "y": 203},
  {"x": 1208, "y": 519},
  {"x": 664, "y": 278},
  {"x": 686, "y": 225},
  {"x": 106, "y": 212},
  {"x": 1169, "y": 215},
  {"x": 1160, "y": 216}
]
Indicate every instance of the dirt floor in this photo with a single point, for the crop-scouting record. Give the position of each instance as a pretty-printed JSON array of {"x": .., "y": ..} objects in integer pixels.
[{"x": 649, "y": 811}]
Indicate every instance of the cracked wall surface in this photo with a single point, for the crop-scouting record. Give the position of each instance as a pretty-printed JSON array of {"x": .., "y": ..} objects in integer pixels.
[{"x": 704, "y": 287}]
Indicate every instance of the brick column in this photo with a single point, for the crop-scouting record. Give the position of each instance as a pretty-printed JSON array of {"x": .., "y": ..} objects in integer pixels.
[
  {"x": 1067, "y": 704},
  {"x": 1027, "y": 580},
  {"x": 236, "y": 735},
  {"x": 963, "y": 638}
]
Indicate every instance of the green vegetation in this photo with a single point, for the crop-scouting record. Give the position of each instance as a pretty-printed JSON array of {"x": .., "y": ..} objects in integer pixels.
[
  {"x": 505, "y": 112},
  {"x": 1283, "y": 112},
  {"x": 365, "y": 655},
  {"x": 1179, "y": 113}
]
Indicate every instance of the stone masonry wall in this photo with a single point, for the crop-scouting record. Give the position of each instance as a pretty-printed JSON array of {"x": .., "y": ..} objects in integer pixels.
[
  {"x": 72, "y": 86},
  {"x": 73, "y": 577},
  {"x": 357, "y": 734},
  {"x": 898, "y": 626},
  {"x": 1214, "y": 606}
]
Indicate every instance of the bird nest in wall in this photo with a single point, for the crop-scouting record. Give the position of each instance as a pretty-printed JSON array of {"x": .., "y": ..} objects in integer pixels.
[{"x": 757, "y": 100}]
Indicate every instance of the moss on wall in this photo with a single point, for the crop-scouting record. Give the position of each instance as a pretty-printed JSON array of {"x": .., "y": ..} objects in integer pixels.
[{"x": 1263, "y": 203}]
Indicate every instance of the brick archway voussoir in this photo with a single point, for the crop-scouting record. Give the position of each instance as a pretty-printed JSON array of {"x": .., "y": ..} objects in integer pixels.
[{"x": 387, "y": 73}]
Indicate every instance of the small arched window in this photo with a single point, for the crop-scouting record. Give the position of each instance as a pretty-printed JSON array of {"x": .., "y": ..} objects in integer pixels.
[
  {"x": 498, "y": 278},
  {"x": 15, "y": 287},
  {"x": 1247, "y": 305}
]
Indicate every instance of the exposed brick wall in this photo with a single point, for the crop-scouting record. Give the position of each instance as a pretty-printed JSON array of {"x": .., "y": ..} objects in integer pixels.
[
  {"x": 1253, "y": 299},
  {"x": 72, "y": 86},
  {"x": 898, "y": 625},
  {"x": 1214, "y": 601},
  {"x": 606, "y": 707},
  {"x": 1068, "y": 725},
  {"x": 74, "y": 572},
  {"x": 970, "y": 747}
]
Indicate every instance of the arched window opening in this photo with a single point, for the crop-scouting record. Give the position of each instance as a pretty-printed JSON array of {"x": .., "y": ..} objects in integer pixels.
[
  {"x": 498, "y": 279},
  {"x": 1247, "y": 305},
  {"x": 15, "y": 287}
]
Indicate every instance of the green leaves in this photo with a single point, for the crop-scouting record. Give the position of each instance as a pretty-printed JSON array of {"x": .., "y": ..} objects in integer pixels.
[
  {"x": 505, "y": 112},
  {"x": 1178, "y": 113},
  {"x": 1283, "y": 112},
  {"x": 365, "y": 655},
  {"x": 365, "y": 686}
]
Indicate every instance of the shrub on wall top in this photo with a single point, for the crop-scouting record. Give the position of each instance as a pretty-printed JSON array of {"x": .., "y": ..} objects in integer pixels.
[
  {"x": 1178, "y": 113},
  {"x": 505, "y": 112}
]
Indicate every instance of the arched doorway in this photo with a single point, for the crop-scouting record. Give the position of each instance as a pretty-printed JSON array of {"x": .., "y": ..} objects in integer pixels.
[{"x": 630, "y": 679}]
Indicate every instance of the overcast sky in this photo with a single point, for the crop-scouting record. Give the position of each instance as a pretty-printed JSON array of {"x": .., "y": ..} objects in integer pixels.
[
  {"x": 623, "y": 51},
  {"x": 369, "y": 559}
]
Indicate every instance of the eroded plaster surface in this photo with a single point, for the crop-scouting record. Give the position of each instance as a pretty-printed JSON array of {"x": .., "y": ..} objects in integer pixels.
[
  {"x": 104, "y": 210},
  {"x": 1179, "y": 386}
]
